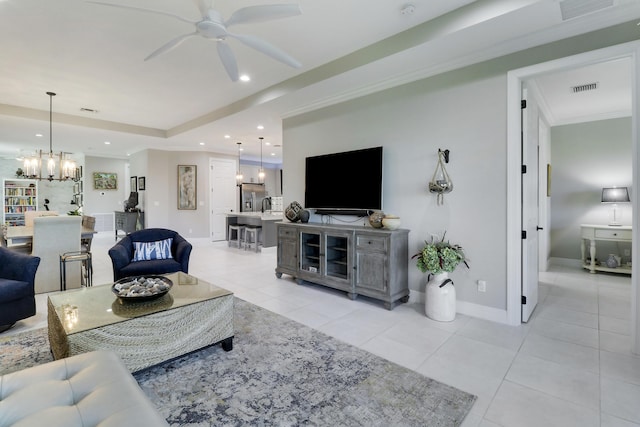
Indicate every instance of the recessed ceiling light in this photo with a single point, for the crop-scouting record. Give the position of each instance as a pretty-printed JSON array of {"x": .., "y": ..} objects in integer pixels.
[
  {"x": 107, "y": 143},
  {"x": 201, "y": 143},
  {"x": 227, "y": 136},
  {"x": 39, "y": 135},
  {"x": 273, "y": 154},
  {"x": 245, "y": 78},
  {"x": 260, "y": 127},
  {"x": 241, "y": 149},
  {"x": 267, "y": 143}
]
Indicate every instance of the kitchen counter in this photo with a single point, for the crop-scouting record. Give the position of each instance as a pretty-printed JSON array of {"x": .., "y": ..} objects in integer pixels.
[{"x": 267, "y": 220}]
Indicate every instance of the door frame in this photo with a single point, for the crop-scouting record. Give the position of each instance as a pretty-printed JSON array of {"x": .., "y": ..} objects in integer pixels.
[
  {"x": 212, "y": 161},
  {"x": 514, "y": 178}
]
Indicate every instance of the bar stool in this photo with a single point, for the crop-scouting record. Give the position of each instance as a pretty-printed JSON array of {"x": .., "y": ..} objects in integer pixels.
[
  {"x": 252, "y": 238},
  {"x": 85, "y": 259},
  {"x": 240, "y": 231}
]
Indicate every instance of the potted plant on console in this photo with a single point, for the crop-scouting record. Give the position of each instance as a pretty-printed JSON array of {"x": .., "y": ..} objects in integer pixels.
[{"x": 440, "y": 258}]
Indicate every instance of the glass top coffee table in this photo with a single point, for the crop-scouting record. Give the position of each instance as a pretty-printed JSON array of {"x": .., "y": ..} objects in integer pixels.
[{"x": 192, "y": 315}]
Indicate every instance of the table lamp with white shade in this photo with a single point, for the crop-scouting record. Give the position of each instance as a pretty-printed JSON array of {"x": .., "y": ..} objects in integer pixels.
[{"x": 615, "y": 195}]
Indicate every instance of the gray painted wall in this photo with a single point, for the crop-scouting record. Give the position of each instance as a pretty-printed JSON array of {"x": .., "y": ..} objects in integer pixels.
[
  {"x": 105, "y": 201},
  {"x": 464, "y": 111},
  {"x": 585, "y": 158}
]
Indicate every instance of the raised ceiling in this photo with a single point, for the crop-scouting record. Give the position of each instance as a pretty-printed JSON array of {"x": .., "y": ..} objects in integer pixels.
[{"x": 92, "y": 56}]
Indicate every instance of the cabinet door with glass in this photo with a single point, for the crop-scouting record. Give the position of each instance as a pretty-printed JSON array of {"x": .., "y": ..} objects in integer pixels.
[
  {"x": 324, "y": 255},
  {"x": 337, "y": 264},
  {"x": 310, "y": 253}
]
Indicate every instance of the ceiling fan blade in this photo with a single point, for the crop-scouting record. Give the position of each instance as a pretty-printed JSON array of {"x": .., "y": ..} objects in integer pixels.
[
  {"x": 263, "y": 13},
  {"x": 202, "y": 7},
  {"x": 143, "y": 10},
  {"x": 267, "y": 48},
  {"x": 168, "y": 46},
  {"x": 228, "y": 60}
]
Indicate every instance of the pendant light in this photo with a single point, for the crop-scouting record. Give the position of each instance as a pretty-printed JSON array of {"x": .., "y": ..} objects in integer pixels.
[
  {"x": 239, "y": 173},
  {"x": 67, "y": 167},
  {"x": 261, "y": 171}
]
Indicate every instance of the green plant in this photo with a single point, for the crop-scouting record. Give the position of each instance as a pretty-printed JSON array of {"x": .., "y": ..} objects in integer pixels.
[{"x": 439, "y": 256}]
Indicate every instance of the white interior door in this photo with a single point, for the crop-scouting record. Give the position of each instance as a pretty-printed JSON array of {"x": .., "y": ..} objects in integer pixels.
[
  {"x": 530, "y": 210},
  {"x": 223, "y": 195}
]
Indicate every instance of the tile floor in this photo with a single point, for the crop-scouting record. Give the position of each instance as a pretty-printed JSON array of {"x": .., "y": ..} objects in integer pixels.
[{"x": 571, "y": 365}]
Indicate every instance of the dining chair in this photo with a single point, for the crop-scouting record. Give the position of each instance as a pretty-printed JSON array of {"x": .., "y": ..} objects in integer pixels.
[
  {"x": 88, "y": 222},
  {"x": 30, "y": 215},
  {"x": 52, "y": 237}
]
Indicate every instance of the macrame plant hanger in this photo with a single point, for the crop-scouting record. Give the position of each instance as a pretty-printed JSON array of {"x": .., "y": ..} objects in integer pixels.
[{"x": 441, "y": 182}]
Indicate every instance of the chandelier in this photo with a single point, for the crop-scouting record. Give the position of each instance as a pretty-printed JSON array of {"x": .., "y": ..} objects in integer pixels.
[{"x": 67, "y": 167}]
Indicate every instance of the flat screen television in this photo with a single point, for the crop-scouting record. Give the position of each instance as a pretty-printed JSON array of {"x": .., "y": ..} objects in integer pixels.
[{"x": 346, "y": 183}]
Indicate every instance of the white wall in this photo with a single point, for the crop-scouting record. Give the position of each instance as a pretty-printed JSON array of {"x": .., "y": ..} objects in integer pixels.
[
  {"x": 160, "y": 199},
  {"x": 587, "y": 157},
  {"x": 105, "y": 201},
  {"x": 412, "y": 123},
  {"x": 464, "y": 111}
]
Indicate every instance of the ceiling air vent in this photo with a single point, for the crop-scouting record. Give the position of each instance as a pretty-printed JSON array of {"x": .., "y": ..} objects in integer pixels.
[
  {"x": 88, "y": 110},
  {"x": 574, "y": 8},
  {"x": 584, "y": 88}
]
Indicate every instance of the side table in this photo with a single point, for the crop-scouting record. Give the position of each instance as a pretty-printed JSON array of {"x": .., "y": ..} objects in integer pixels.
[{"x": 611, "y": 233}]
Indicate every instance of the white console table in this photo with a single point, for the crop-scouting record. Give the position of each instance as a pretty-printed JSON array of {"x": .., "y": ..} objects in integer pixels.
[{"x": 610, "y": 233}]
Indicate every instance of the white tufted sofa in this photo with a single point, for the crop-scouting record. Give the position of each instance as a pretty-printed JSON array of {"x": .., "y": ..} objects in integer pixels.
[{"x": 90, "y": 389}]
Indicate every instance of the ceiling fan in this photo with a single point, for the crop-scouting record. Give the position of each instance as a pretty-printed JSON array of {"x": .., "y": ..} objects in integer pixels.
[{"x": 212, "y": 26}]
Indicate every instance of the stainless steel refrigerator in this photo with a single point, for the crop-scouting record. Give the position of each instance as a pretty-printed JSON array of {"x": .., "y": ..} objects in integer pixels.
[{"x": 251, "y": 197}]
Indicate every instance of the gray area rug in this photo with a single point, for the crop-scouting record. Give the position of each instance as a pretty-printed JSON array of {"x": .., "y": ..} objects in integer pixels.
[{"x": 279, "y": 373}]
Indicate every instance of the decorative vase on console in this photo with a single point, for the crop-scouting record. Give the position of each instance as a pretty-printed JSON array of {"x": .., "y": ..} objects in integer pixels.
[
  {"x": 440, "y": 258},
  {"x": 375, "y": 219},
  {"x": 613, "y": 261},
  {"x": 304, "y": 216}
]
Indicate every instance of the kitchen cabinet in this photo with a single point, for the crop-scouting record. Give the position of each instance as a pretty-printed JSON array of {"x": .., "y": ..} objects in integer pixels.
[{"x": 358, "y": 260}]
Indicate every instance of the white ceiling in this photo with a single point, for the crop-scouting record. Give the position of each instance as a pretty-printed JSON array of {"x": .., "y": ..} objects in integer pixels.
[{"x": 92, "y": 57}]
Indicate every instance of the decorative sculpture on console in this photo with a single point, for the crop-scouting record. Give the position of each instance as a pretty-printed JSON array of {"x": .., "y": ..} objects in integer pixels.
[{"x": 441, "y": 182}]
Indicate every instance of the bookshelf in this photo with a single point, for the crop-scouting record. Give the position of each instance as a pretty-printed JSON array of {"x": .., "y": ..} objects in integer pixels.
[{"x": 19, "y": 196}]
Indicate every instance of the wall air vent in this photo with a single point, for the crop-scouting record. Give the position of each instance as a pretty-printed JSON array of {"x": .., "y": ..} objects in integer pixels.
[
  {"x": 573, "y": 8},
  {"x": 584, "y": 88}
]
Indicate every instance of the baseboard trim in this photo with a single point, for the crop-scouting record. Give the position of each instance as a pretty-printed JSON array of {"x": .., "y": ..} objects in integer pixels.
[
  {"x": 468, "y": 309},
  {"x": 565, "y": 262}
]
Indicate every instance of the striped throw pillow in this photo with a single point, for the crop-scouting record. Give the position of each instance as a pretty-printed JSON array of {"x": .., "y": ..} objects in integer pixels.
[{"x": 145, "y": 251}]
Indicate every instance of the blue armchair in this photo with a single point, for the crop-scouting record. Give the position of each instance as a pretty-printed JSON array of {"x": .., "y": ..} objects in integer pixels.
[
  {"x": 122, "y": 254},
  {"x": 17, "y": 293}
]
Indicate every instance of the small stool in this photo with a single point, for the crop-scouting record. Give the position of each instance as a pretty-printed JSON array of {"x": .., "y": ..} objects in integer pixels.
[
  {"x": 252, "y": 238},
  {"x": 85, "y": 259},
  {"x": 240, "y": 231}
]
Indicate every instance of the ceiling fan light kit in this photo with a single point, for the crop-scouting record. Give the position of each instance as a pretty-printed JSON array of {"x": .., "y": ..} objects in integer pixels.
[{"x": 213, "y": 27}]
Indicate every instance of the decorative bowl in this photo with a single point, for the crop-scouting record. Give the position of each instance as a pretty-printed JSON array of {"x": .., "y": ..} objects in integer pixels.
[
  {"x": 141, "y": 288},
  {"x": 375, "y": 219},
  {"x": 391, "y": 222}
]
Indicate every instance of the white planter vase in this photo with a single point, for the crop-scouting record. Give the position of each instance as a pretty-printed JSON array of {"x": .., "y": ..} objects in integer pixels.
[{"x": 440, "y": 301}]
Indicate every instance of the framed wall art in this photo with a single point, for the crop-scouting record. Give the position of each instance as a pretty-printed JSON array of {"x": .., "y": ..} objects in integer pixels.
[
  {"x": 187, "y": 196},
  {"x": 141, "y": 183},
  {"x": 134, "y": 183},
  {"x": 105, "y": 181}
]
